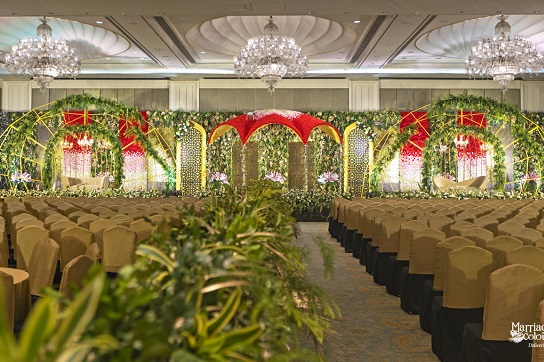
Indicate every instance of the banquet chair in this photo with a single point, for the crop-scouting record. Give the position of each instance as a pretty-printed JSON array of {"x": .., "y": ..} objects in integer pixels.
[
  {"x": 86, "y": 220},
  {"x": 123, "y": 220},
  {"x": 73, "y": 275},
  {"x": 43, "y": 264},
  {"x": 527, "y": 235},
  {"x": 388, "y": 246},
  {"x": 366, "y": 226},
  {"x": 499, "y": 246},
  {"x": 70, "y": 248},
  {"x": 28, "y": 237},
  {"x": 16, "y": 219},
  {"x": 456, "y": 227},
  {"x": 508, "y": 227},
  {"x": 140, "y": 214},
  {"x": 527, "y": 255},
  {"x": 441, "y": 223},
  {"x": 351, "y": 226},
  {"x": 74, "y": 216},
  {"x": 540, "y": 243},
  {"x": 126, "y": 210},
  {"x": 119, "y": 245},
  {"x": 420, "y": 267},
  {"x": 142, "y": 228},
  {"x": 107, "y": 214},
  {"x": 465, "y": 216},
  {"x": 333, "y": 216},
  {"x": 373, "y": 245},
  {"x": 487, "y": 222},
  {"x": 395, "y": 263},
  {"x": 43, "y": 213},
  {"x": 49, "y": 220},
  {"x": 80, "y": 233},
  {"x": 7, "y": 294},
  {"x": 513, "y": 296},
  {"x": 435, "y": 287},
  {"x": 66, "y": 208},
  {"x": 480, "y": 236},
  {"x": 97, "y": 210},
  {"x": 538, "y": 353},
  {"x": 98, "y": 226},
  {"x": 58, "y": 227},
  {"x": 465, "y": 283},
  {"x": 342, "y": 208}
]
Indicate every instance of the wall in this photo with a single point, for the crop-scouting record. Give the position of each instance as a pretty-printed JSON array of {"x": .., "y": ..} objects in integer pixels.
[{"x": 248, "y": 95}]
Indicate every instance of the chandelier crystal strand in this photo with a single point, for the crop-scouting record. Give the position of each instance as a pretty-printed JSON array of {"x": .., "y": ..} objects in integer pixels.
[
  {"x": 503, "y": 56},
  {"x": 270, "y": 57},
  {"x": 43, "y": 57}
]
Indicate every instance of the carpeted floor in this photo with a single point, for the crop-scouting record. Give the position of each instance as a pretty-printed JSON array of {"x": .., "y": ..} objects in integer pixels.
[{"x": 372, "y": 327}]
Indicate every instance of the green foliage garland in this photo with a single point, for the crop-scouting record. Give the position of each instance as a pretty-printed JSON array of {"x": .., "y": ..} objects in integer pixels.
[
  {"x": 450, "y": 132},
  {"x": 98, "y": 131}
]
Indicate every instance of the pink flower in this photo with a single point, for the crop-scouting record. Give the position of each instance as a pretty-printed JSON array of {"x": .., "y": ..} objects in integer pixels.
[
  {"x": 275, "y": 176},
  {"x": 328, "y": 177}
]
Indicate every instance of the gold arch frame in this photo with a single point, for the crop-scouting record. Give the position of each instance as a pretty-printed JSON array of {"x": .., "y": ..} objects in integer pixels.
[{"x": 202, "y": 132}]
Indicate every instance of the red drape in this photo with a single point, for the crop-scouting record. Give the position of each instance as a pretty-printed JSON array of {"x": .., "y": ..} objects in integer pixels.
[
  {"x": 474, "y": 146},
  {"x": 416, "y": 142},
  {"x": 127, "y": 142}
]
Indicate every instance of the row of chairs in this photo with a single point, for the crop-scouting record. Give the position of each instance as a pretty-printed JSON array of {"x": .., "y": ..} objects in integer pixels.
[
  {"x": 407, "y": 245},
  {"x": 68, "y": 235}
]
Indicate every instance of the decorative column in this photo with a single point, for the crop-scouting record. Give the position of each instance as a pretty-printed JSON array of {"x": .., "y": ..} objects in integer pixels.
[{"x": 183, "y": 95}]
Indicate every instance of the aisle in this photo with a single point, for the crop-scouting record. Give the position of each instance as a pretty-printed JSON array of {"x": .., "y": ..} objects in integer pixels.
[{"x": 373, "y": 327}]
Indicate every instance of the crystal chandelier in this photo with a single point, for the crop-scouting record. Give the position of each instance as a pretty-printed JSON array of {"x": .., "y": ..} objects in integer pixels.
[
  {"x": 503, "y": 56},
  {"x": 270, "y": 57},
  {"x": 43, "y": 57}
]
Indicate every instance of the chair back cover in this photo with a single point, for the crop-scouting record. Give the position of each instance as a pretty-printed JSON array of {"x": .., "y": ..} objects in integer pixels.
[
  {"x": 51, "y": 219},
  {"x": 28, "y": 238},
  {"x": 7, "y": 294},
  {"x": 528, "y": 255},
  {"x": 368, "y": 216},
  {"x": 441, "y": 256},
  {"x": 80, "y": 233},
  {"x": 457, "y": 226},
  {"x": 406, "y": 235},
  {"x": 465, "y": 277},
  {"x": 142, "y": 228},
  {"x": 58, "y": 227},
  {"x": 527, "y": 235},
  {"x": 119, "y": 244},
  {"x": 390, "y": 234},
  {"x": 513, "y": 295},
  {"x": 480, "y": 236},
  {"x": 74, "y": 274},
  {"x": 43, "y": 264},
  {"x": 70, "y": 248},
  {"x": 422, "y": 250},
  {"x": 508, "y": 227},
  {"x": 352, "y": 215},
  {"x": 377, "y": 228},
  {"x": 440, "y": 222}
]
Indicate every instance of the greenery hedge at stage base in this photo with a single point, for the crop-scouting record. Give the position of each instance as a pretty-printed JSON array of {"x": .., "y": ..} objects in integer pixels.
[{"x": 226, "y": 285}]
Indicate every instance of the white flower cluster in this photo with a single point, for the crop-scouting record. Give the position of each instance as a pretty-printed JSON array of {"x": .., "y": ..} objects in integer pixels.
[
  {"x": 219, "y": 177},
  {"x": 275, "y": 176},
  {"x": 328, "y": 177}
]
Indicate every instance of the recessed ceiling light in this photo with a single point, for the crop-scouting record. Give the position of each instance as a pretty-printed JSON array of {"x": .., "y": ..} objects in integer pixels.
[
  {"x": 537, "y": 12},
  {"x": 202, "y": 52},
  {"x": 134, "y": 52},
  {"x": 108, "y": 58},
  {"x": 99, "y": 22},
  {"x": 142, "y": 58},
  {"x": 356, "y": 21}
]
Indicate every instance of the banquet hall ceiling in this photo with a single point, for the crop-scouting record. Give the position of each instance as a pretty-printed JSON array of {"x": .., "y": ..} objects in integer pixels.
[{"x": 342, "y": 38}]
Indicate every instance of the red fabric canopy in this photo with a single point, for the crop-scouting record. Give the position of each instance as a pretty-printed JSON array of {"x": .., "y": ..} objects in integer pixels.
[{"x": 300, "y": 123}]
